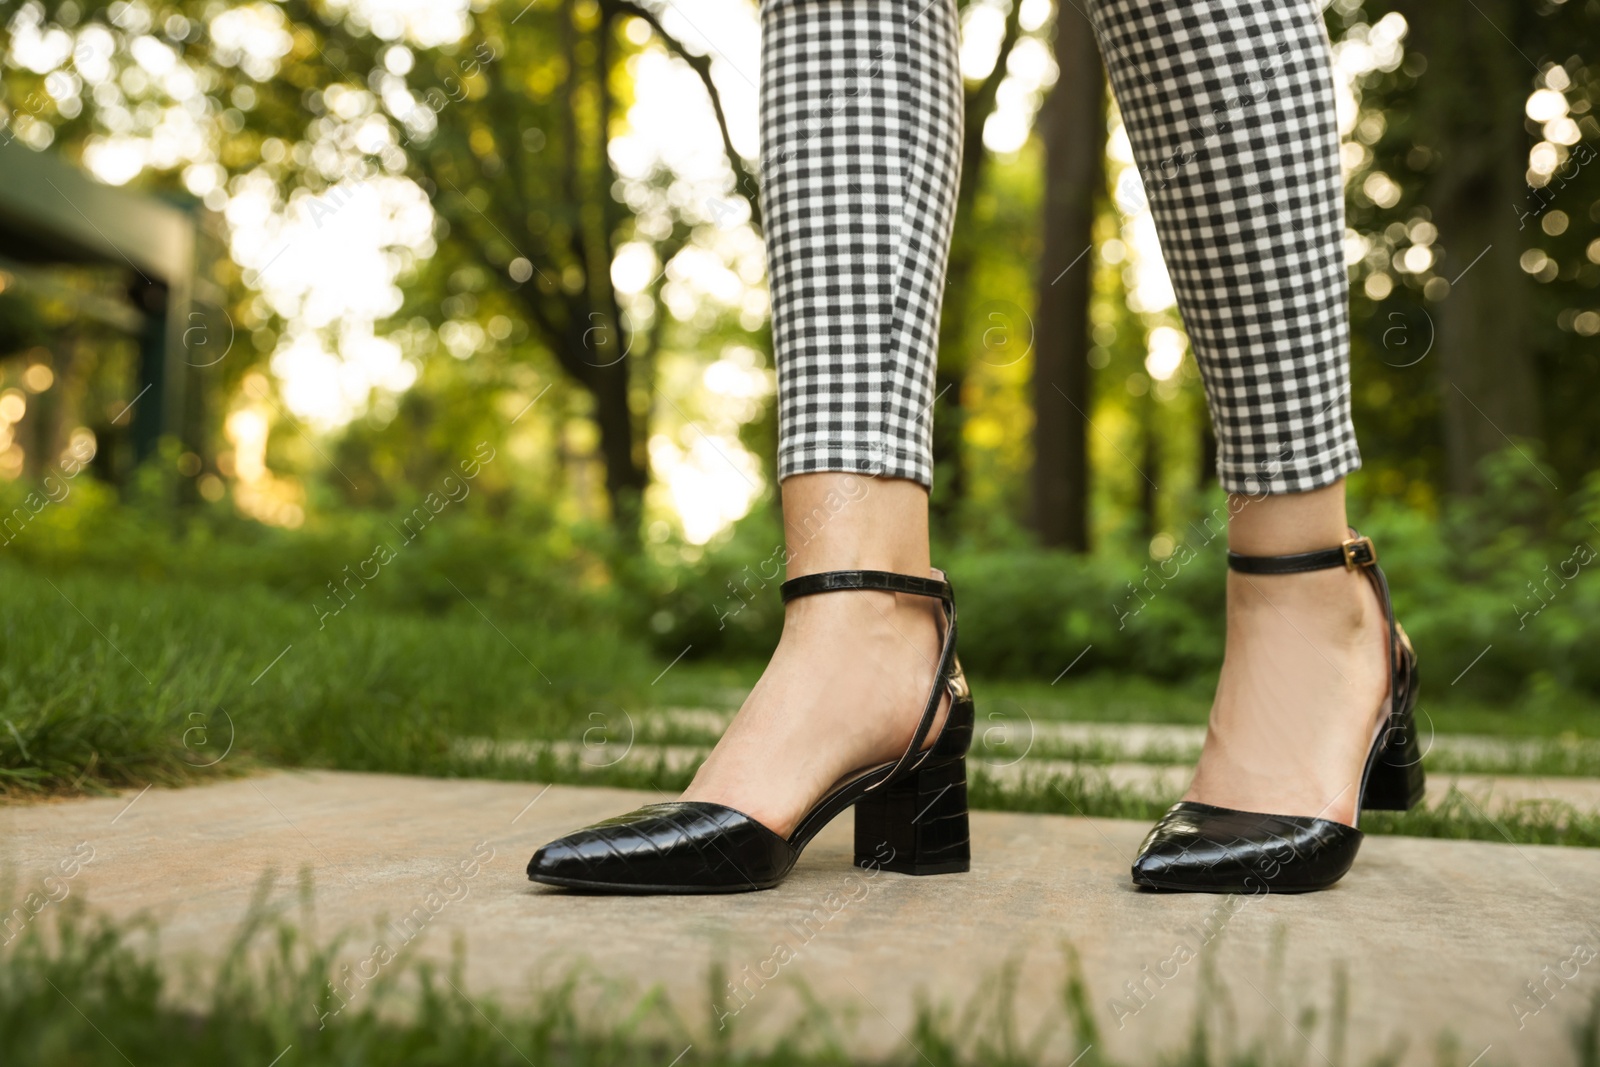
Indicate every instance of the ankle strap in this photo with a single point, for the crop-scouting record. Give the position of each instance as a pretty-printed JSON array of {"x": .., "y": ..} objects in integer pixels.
[
  {"x": 1356, "y": 551},
  {"x": 883, "y": 581}
]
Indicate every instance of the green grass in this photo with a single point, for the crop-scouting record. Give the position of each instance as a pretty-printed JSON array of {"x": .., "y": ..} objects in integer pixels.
[
  {"x": 87, "y": 993},
  {"x": 120, "y": 682}
]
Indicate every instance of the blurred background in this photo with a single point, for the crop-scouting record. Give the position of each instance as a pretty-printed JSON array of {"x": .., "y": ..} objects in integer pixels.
[{"x": 388, "y": 385}]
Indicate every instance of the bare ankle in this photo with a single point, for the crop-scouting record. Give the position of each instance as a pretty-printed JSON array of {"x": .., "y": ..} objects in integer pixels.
[
  {"x": 1287, "y": 523},
  {"x": 838, "y": 521}
]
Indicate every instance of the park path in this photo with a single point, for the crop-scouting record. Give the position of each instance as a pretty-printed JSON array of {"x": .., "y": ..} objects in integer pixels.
[
  {"x": 1159, "y": 781},
  {"x": 1434, "y": 935}
]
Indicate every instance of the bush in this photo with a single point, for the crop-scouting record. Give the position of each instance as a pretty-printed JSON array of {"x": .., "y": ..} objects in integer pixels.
[
  {"x": 524, "y": 566},
  {"x": 1502, "y": 585}
]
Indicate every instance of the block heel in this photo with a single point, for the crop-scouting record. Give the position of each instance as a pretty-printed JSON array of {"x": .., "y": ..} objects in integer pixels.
[
  {"x": 917, "y": 825},
  {"x": 1394, "y": 787},
  {"x": 1394, "y": 778}
]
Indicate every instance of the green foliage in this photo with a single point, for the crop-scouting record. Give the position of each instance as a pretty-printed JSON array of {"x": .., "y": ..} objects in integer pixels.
[
  {"x": 412, "y": 629},
  {"x": 21, "y": 323},
  {"x": 507, "y": 133},
  {"x": 432, "y": 551},
  {"x": 1503, "y": 578},
  {"x": 136, "y": 651},
  {"x": 266, "y": 999},
  {"x": 720, "y": 603},
  {"x": 1440, "y": 126}
]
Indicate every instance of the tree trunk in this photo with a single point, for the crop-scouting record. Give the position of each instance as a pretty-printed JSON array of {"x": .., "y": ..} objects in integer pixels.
[
  {"x": 625, "y": 476},
  {"x": 597, "y": 347},
  {"x": 951, "y": 374},
  {"x": 1476, "y": 192},
  {"x": 621, "y": 431},
  {"x": 1073, "y": 123},
  {"x": 1149, "y": 466}
]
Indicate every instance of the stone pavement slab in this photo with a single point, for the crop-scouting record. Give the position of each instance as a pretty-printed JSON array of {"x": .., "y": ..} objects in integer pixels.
[
  {"x": 1011, "y": 725},
  {"x": 1433, "y": 935}
]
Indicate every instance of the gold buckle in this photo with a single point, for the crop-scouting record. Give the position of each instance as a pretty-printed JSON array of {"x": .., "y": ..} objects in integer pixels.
[{"x": 1354, "y": 545}]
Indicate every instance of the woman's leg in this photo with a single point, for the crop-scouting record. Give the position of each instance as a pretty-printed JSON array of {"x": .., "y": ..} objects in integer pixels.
[
  {"x": 861, "y": 114},
  {"x": 1305, "y": 671},
  {"x": 1229, "y": 106}
]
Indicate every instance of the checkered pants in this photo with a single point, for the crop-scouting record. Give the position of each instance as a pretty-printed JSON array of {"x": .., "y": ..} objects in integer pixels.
[{"x": 1229, "y": 107}]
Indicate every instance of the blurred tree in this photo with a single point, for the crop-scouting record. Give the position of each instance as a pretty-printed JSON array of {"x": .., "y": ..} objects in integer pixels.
[
  {"x": 1477, "y": 152},
  {"x": 1475, "y": 191},
  {"x": 955, "y": 361},
  {"x": 523, "y": 176},
  {"x": 998, "y": 341},
  {"x": 21, "y": 324},
  {"x": 1476, "y": 135},
  {"x": 1074, "y": 135},
  {"x": 507, "y": 130}
]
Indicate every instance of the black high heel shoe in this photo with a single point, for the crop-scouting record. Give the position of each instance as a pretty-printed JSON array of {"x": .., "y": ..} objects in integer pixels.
[
  {"x": 911, "y": 813},
  {"x": 1206, "y": 849}
]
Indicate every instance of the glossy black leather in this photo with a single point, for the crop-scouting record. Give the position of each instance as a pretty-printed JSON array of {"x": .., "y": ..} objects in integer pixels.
[
  {"x": 660, "y": 847},
  {"x": 1202, "y": 848},
  {"x": 917, "y": 825},
  {"x": 883, "y": 581},
  {"x": 710, "y": 848},
  {"x": 1360, "y": 553}
]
